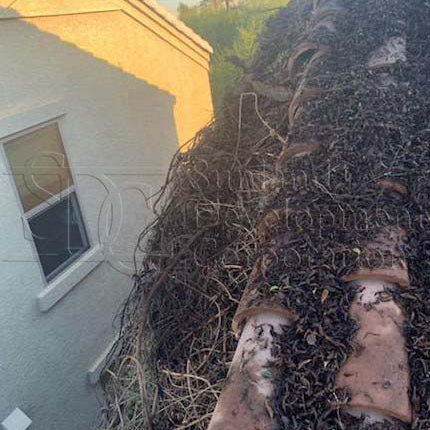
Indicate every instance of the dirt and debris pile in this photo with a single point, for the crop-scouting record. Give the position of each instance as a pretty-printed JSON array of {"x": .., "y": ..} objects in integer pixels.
[{"x": 348, "y": 82}]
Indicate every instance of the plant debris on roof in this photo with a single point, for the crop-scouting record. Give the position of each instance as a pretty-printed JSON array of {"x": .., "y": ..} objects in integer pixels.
[{"x": 361, "y": 123}]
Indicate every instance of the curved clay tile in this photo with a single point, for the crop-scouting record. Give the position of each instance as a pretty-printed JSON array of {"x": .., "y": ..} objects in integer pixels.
[
  {"x": 303, "y": 48},
  {"x": 390, "y": 269},
  {"x": 300, "y": 97},
  {"x": 253, "y": 303},
  {"x": 245, "y": 402},
  {"x": 294, "y": 151},
  {"x": 377, "y": 375},
  {"x": 392, "y": 51},
  {"x": 395, "y": 275},
  {"x": 246, "y": 399},
  {"x": 325, "y": 18},
  {"x": 270, "y": 221},
  {"x": 393, "y": 187},
  {"x": 276, "y": 93},
  {"x": 325, "y": 13}
]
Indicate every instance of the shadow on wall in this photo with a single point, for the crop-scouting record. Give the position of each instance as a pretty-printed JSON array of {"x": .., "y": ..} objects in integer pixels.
[
  {"x": 117, "y": 126},
  {"x": 117, "y": 129},
  {"x": 57, "y": 67}
]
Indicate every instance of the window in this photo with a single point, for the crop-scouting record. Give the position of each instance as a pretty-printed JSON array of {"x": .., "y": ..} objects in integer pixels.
[{"x": 45, "y": 186}]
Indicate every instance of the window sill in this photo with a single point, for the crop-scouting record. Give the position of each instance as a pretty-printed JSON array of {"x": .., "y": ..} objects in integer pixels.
[
  {"x": 99, "y": 365},
  {"x": 65, "y": 282}
]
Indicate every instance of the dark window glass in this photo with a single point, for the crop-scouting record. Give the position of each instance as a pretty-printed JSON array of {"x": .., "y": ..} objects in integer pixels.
[{"x": 59, "y": 235}]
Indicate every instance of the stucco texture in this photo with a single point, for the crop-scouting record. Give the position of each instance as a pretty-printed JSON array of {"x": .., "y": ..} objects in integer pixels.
[{"x": 130, "y": 98}]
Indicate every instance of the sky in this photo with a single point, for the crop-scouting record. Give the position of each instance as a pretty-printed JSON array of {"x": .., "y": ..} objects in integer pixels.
[{"x": 172, "y": 5}]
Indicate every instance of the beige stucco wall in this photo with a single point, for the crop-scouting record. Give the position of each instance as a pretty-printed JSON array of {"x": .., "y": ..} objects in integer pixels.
[{"x": 135, "y": 38}]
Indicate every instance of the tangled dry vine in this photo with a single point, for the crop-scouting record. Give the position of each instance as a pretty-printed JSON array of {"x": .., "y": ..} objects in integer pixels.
[{"x": 360, "y": 123}]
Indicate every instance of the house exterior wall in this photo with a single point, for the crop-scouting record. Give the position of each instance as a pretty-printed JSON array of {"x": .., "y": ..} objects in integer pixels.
[
  {"x": 124, "y": 98},
  {"x": 137, "y": 39}
]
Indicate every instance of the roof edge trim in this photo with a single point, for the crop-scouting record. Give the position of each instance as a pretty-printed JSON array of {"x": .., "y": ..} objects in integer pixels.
[{"x": 173, "y": 21}]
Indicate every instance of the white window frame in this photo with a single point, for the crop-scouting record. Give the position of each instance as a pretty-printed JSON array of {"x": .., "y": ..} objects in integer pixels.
[
  {"x": 17, "y": 125},
  {"x": 48, "y": 202}
]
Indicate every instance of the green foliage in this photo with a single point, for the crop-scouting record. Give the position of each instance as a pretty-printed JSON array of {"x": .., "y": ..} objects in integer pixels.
[{"x": 232, "y": 32}]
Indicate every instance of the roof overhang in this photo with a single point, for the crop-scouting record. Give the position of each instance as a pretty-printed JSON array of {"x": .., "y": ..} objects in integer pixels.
[{"x": 137, "y": 9}]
